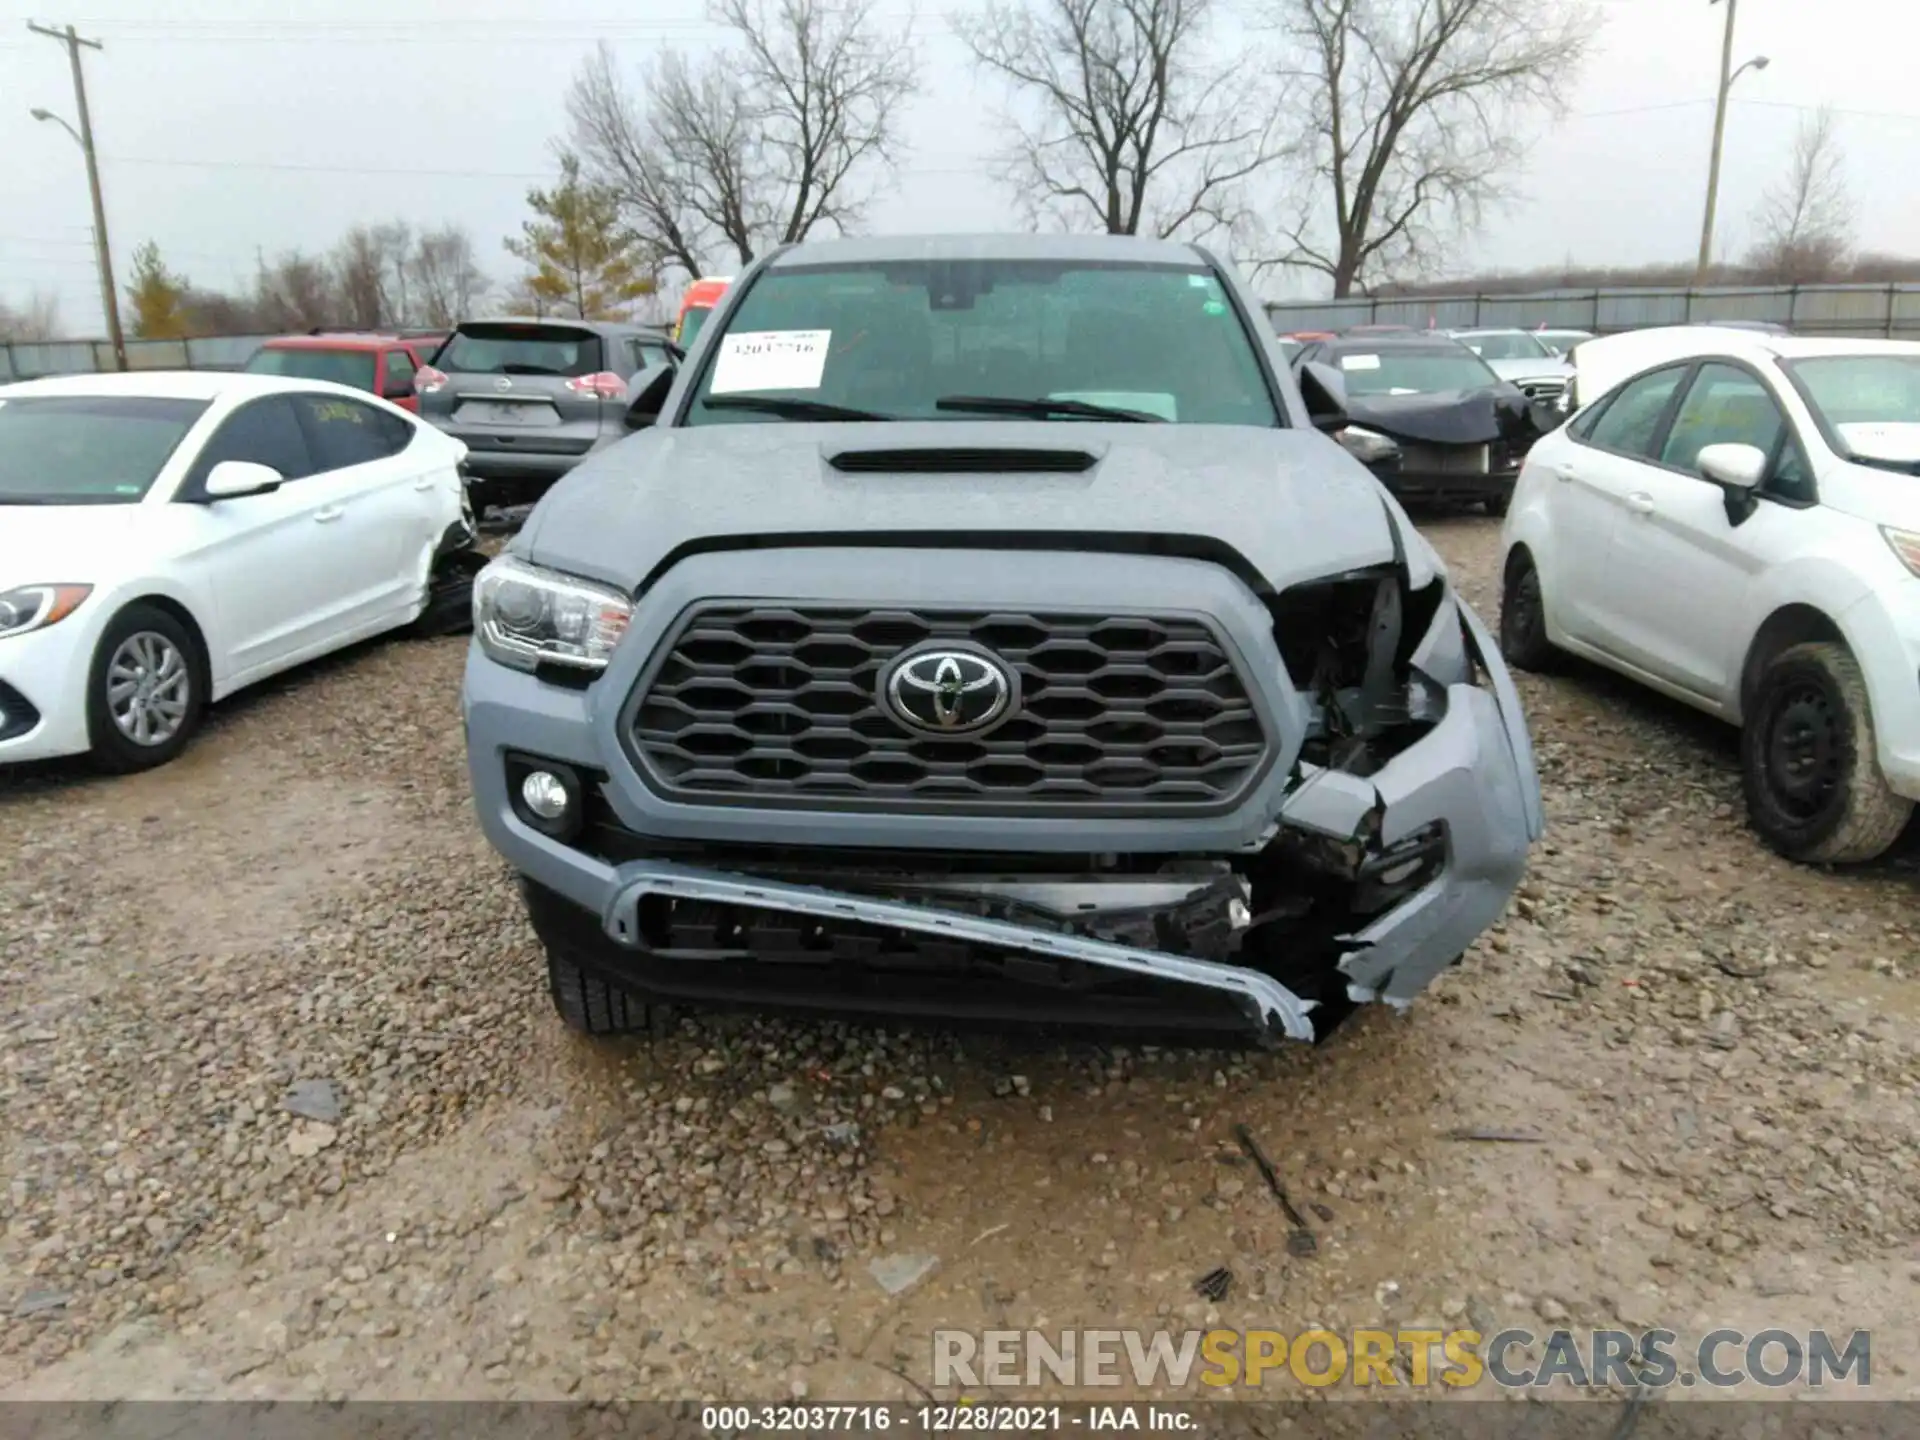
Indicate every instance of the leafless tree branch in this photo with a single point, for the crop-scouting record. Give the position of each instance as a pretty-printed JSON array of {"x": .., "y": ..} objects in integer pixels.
[
  {"x": 1803, "y": 220},
  {"x": 826, "y": 85},
  {"x": 759, "y": 144},
  {"x": 1408, "y": 111},
  {"x": 1127, "y": 123}
]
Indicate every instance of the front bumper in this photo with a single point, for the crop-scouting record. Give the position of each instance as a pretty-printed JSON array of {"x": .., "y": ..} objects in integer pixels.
[
  {"x": 1472, "y": 776},
  {"x": 43, "y": 712}
]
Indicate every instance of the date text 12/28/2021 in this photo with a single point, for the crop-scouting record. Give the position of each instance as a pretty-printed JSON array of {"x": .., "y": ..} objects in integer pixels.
[{"x": 941, "y": 1419}]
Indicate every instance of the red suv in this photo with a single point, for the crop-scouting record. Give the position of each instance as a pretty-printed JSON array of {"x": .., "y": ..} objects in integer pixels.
[{"x": 383, "y": 364}]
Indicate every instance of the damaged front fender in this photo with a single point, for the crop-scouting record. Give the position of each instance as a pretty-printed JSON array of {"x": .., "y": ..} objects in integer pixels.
[{"x": 1473, "y": 777}]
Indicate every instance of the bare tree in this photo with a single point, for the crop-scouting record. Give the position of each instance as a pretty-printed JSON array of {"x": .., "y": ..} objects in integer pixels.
[
  {"x": 1803, "y": 220},
  {"x": 443, "y": 277},
  {"x": 359, "y": 273},
  {"x": 295, "y": 292},
  {"x": 1131, "y": 124},
  {"x": 1409, "y": 115},
  {"x": 619, "y": 147},
  {"x": 827, "y": 84},
  {"x": 777, "y": 135},
  {"x": 38, "y": 321}
]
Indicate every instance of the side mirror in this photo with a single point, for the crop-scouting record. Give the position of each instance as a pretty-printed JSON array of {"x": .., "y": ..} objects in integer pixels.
[
  {"x": 1325, "y": 392},
  {"x": 231, "y": 479},
  {"x": 1738, "y": 467},
  {"x": 649, "y": 390},
  {"x": 397, "y": 389}
]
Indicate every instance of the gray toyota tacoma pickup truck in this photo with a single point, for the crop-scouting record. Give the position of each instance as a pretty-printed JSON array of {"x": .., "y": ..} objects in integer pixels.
[{"x": 985, "y": 628}]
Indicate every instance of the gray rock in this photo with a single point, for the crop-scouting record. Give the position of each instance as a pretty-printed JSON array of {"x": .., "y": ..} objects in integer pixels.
[
  {"x": 897, "y": 1274},
  {"x": 39, "y": 1302},
  {"x": 312, "y": 1100}
]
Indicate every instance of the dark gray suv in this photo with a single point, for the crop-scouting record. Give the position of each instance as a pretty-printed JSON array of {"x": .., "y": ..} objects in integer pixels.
[{"x": 532, "y": 398}]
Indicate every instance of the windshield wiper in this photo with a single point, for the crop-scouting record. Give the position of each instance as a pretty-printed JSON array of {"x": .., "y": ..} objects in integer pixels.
[
  {"x": 790, "y": 409},
  {"x": 1012, "y": 405}
]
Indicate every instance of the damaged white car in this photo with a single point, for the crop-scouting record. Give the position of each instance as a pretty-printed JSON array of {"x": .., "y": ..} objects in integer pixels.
[{"x": 984, "y": 628}]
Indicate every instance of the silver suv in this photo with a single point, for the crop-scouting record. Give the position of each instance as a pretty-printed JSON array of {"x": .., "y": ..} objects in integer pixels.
[{"x": 532, "y": 398}]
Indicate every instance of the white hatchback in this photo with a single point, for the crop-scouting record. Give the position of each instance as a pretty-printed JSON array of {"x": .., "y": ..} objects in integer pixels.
[
  {"x": 167, "y": 538},
  {"x": 1735, "y": 522}
]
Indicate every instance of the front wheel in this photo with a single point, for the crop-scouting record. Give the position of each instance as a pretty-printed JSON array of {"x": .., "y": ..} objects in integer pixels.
[
  {"x": 585, "y": 1001},
  {"x": 1523, "y": 617},
  {"x": 1814, "y": 790},
  {"x": 145, "y": 690}
]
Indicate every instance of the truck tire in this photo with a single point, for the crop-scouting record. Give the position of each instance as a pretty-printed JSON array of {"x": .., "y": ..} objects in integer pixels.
[
  {"x": 587, "y": 1001},
  {"x": 1807, "y": 761},
  {"x": 588, "y": 1004}
]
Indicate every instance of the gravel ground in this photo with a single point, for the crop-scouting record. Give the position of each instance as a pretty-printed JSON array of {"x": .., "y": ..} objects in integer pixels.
[{"x": 287, "y": 1112}]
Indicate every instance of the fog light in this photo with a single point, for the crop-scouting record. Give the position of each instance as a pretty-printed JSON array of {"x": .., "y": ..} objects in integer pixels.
[{"x": 545, "y": 794}]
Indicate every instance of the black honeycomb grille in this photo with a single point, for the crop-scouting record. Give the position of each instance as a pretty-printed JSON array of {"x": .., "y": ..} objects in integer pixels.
[{"x": 1119, "y": 715}]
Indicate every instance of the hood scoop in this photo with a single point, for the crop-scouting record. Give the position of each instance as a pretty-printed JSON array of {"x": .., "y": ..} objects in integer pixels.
[{"x": 963, "y": 460}]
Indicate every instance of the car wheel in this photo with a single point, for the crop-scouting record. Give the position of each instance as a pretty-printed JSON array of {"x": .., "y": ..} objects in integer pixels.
[
  {"x": 1523, "y": 617},
  {"x": 145, "y": 690},
  {"x": 1814, "y": 790}
]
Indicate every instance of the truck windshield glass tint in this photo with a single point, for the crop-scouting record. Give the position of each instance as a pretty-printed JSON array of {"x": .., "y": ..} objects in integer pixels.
[{"x": 893, "y": 338}]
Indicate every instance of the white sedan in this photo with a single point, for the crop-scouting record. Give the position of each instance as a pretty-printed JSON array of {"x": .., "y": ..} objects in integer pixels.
[
  {"x": 1735, "y": 522},
  {"x": 167, "y": 538}
]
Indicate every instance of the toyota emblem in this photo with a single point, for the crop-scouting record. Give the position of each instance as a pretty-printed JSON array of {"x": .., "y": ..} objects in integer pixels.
[{"x": 949, "y": 691}]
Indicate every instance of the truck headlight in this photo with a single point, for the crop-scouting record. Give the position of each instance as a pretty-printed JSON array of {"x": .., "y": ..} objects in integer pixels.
[
  {"x": 1369, "y": 447},
  {"x": 526, "y": 616}
]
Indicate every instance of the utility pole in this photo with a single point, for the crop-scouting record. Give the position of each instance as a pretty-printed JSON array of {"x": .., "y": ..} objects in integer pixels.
[
  {"x": 109, "y": 297},
  {"x": 1727, "y": 76},
  {"x": 1719, "y": 135}
]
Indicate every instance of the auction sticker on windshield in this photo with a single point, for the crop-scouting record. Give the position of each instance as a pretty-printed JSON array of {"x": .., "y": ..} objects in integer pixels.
[
  {"x": 770, "y": 360},
  {"x": 1359, "y": 362}
]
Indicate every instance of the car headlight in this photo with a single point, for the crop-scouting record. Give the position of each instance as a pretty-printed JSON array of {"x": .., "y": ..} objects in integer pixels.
[
  {"x": 34, "y": 607},
  {"x": 526, "y": 616},
  {"x": 1905, "y": 543},
  {"x": 1369, "y": 447}
]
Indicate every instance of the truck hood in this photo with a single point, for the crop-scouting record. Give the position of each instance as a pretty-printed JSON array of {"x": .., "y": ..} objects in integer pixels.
[{"x": 1291, "y": 503}]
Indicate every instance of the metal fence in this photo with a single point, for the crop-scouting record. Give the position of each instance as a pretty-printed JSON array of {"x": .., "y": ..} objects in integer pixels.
[
  {"x": 1856, "y": 310},
  {"x": 21, "y": 361},
  {"x": 1860, "y": 310}
]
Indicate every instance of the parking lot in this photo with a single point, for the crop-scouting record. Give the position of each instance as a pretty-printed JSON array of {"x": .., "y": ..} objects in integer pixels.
[{"x": 1710, "y": 1052}]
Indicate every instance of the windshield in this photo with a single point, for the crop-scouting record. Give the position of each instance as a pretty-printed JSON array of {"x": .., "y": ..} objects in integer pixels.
[
  {"x": 1072, "y": 340},
  {"x": 343, "y": 367},
  {"x": 521, "y": 350},
  {"x": 87, "y": 449},
  {"x": 1870, "y": 403},
  {"x": 1410, "y": 371},
  {"x": 1515, "y": 346}
]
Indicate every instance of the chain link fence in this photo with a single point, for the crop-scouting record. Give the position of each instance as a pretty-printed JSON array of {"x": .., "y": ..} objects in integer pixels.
[{"x": 1886, "y": 311}]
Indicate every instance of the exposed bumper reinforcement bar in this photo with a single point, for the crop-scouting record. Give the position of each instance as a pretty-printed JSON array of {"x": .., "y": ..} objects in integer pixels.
[{"x": 1271, "y": 1004}]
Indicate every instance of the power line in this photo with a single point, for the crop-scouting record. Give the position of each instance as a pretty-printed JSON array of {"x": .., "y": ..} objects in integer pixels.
[{"x": 301, "y": 166}]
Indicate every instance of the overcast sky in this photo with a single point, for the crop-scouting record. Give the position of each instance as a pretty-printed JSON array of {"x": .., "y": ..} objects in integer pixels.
[{"x": 223, "y": 130}]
